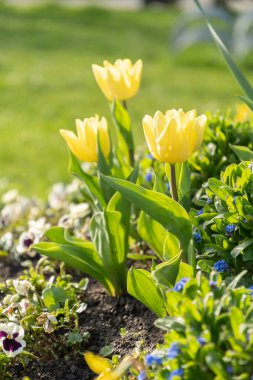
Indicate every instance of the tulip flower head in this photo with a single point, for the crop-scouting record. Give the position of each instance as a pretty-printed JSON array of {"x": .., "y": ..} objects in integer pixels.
[
  {"x": 173, "y": 137},
  {"x": 118, "y": 81},
  {"x": 85, "y": 145}
]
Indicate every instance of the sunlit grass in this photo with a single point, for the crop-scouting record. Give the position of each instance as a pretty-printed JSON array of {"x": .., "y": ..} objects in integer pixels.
[{"x": 46, "y": 81}]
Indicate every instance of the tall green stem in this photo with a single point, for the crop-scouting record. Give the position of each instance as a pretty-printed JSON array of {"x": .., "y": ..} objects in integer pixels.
[
  {"x": 131, "y": 148},
  {"x": 173, "y": 182}
]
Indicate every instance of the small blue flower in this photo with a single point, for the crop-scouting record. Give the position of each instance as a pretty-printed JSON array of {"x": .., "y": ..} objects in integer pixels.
[
  {"x": 209, "y": 200},
  {"x": 197, "y": 237},
  {"x": 152, "y": 359},
  {"x": 150, "y": 156},
  {"x": 167, "y": 186},
  {"x": 149, "y": 177},
  {"x": 180, "y": 284},
  {"x": 230, "y": 369},
  {"x": 221, "y": 266},
  {"x": 213, "y": 284},
  {"x": 201, "y": 341},
  {"x": 251, "y": 288},
  {"x": 230, "y": 229},
  {"x": 173, "y": 351},
  {"x": 200, "y": 212},
  {"x": 142, "y": 375},
  {"x": 176, "y": 372}
]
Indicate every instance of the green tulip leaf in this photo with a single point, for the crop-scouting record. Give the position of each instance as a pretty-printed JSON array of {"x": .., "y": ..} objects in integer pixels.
[
  {"x": 165, "y": 274},
  {"x": 242, "y": 152},
  {"x": 90, "y": 182},
  {"x": 142, "y": 286},
  {"x": 83, "y": 258},
  {"x": 158, "y": 206}
]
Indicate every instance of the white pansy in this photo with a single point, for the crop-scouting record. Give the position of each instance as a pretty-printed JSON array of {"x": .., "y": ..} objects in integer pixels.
[
  {"x": 11, "y": 339},
  {"x": 22, "y": 287}
]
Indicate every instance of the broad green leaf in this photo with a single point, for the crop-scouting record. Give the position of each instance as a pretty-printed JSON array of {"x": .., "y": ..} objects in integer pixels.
[
  {"x": 219, "y": 189},
  {"x": 215, "y": 363},
  {"x": 90, "y": 182},
  {"x": 185, "y": 270},
  {"x": 158, "y": 206},
  {"x": 124, "y": 132},
  {"x": 83, "y": 258},
  {"x": 103, "y": 168},
  {"x": 138, "y": 256},
  {"x": 54, "y": 297},
  {"x": 173, "y": 301},
  {"x": 243, "y": 153},
  {"x": 108, "y": 235},
  {"x": 142, "y": 286},
  {"x": 152, "y": 233},
  {"x": 159, "y": 185},
  {"x": 166, "y": 273},
  {"x": 241, "y": 79},
  {"x": 236, "y": 320},
  {"x": 241, "y": 247},
  {"x": 171, "y": 246},
  {"x": 184, "y": 185},
  {"x": 56, "y": 235}
]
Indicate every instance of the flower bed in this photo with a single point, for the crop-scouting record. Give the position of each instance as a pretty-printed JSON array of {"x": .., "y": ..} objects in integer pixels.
[{"x": 141, "y": 268}]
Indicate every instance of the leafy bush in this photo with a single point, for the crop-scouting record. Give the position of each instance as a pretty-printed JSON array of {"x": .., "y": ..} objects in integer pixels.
[
  {"x": 209, "y": 334},
  {"x": 216, "y": 152},
  {"x": 224, "y": 224}
]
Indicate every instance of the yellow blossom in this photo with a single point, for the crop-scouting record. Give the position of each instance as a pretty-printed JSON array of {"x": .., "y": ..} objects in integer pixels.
[
  {"x": 243, "y": 113},
  {"x": 119, "y": 81},
  {"x": 173, "y": 137},
  {"x": 97, "y": 363},
  {"x": 84, "y": 145}
]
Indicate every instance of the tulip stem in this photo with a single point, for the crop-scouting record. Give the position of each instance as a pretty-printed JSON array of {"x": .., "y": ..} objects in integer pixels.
[
  {"x": 131, "y": 148},
  {"x": 173, "y": 182}
]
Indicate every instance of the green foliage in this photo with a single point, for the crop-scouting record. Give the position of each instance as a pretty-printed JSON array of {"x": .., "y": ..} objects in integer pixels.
[
  {"x": 43, "y": 301},
  {"x": 217, "y": 150},
  {"x": 225, "y": 226},
  {"x": 209, "y": 333}
]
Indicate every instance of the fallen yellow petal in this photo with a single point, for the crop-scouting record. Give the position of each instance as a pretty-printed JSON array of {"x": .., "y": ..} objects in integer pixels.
[{"x": 97, "y": 363}]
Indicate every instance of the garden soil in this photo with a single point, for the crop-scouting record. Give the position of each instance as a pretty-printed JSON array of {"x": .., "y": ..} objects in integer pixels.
[{"x": 103, "y": 319}]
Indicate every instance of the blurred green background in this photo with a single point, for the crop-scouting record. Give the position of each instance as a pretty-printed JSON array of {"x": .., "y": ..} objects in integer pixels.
[{"x": 46, "y": 81}]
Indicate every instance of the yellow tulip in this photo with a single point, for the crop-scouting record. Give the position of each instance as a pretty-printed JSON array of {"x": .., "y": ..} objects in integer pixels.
[
  {"x": 119, "y": 81},
  {"x": 85, "y": 145},
  {"x": 173, "y": 137}
]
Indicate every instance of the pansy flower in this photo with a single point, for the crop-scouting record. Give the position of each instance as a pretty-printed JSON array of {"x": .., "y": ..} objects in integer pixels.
[{"x": 11, "y": 338}]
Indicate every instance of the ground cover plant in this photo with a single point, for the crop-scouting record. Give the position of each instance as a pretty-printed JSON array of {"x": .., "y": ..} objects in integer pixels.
[{"x": 138, "y": 244}]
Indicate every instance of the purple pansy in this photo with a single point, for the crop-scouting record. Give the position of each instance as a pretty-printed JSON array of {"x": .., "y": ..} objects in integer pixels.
[{"x": 11, "y": 338}]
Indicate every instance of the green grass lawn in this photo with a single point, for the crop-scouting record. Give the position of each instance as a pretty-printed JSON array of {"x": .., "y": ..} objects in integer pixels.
[{"x": 46, "y": 81}]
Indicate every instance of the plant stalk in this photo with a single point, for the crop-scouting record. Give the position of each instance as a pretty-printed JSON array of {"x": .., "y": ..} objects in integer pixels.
[
  {"x": 173, "y": 182},
  {"x": 131, "y": 149}
]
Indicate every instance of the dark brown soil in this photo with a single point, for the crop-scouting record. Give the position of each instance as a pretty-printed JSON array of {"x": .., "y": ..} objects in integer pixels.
[{"x": 103, "y": 319}]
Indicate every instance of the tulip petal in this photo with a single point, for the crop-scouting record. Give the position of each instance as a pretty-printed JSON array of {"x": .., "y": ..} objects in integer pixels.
[
  {"x": 97, "y": 363},
  {"x": 150, "y": 135},
  {"x": 101, "y": 76}
]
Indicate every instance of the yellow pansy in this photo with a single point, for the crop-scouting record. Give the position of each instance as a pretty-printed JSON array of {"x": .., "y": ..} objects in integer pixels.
[
  {"x": 173, "y": 137},
  {"x": 84, "y": 145},
  {"x": 119, "y": 81}
]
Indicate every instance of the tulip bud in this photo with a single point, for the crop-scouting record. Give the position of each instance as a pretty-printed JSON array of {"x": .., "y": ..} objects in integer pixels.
[
  {"x": 119, "y": 81},
  {"x": 173, "y": 137},
  {"x": 85, "y": 145}
]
